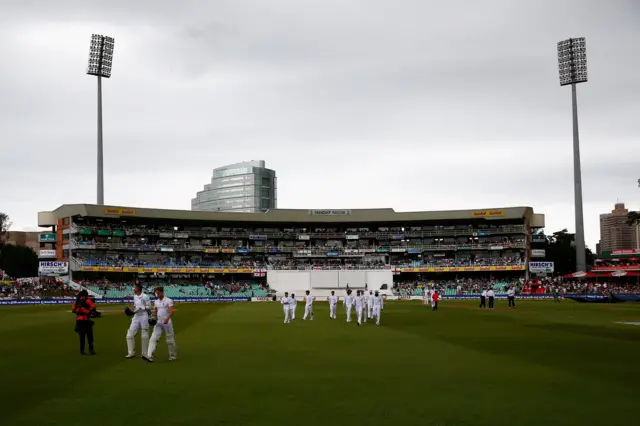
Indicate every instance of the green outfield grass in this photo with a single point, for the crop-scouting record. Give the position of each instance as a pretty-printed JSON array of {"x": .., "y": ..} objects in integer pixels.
[{"x": 541, "y": 364}]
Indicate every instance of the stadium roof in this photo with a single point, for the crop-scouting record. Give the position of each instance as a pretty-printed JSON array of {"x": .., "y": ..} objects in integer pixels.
[{"x": 296, "y": 215}]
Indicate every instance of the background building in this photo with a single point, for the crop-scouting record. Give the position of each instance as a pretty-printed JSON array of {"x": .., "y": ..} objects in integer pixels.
[
  {"x": 23, "y": 238},
  {"x": 615, "y": 234},
  {"x": 247, "y": 187}
]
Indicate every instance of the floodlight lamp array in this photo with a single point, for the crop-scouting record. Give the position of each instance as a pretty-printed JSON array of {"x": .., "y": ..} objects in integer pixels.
[
  {"x": 572, "y": 61},
  {"x": 100, "y": 56}
]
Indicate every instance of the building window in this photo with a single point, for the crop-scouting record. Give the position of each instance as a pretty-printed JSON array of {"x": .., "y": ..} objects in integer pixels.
[
  {"x": 266, "y": 193},
  {"x": 266, "y": 204},
  {"x": 266, "y": 182}
]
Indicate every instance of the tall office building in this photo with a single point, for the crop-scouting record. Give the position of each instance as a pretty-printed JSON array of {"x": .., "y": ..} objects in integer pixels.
[
  {"x": 615, "y": 234},
  {"x": 243, "y": 187}
]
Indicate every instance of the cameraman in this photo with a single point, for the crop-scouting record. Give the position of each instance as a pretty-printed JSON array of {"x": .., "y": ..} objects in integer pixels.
[{"x": 83, "y": 307}]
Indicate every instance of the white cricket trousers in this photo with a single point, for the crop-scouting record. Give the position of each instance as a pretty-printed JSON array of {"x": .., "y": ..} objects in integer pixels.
[
  {"x": 332, "y": 311},
  {"x": 349, "y": 313},
  {"x": 376, "y": 314},
  {"x": 158, "y": 330},
  {"x": 308, "y": 312},
  {"x": 369, "y": 311},
  {"x": 138, "y": 322},
  {"x": 293, "y": 312},
  {"x": 359, "y": 314},
  {"x": 286, "y": 310}
]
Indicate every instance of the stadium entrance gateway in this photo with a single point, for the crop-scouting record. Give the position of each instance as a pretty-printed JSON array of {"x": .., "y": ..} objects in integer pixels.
[{"x": 211, "y": 254}]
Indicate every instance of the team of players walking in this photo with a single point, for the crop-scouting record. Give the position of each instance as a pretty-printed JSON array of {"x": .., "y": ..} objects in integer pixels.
[{"x": 367, "y": 306}]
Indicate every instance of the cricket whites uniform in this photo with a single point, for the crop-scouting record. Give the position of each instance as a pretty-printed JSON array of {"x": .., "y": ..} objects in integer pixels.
[
  {"x": 139, "y": 321},
  {"x": 308, "y": 307},
  {"x": 285, "y": 307},
  {"x": 359, "y": 308},
  {"x": 369, "y": 307},
  {"x": 377, "y": 308},
  {"x": 333, "y": 303},
  {"x": 292, "y": 306},
  {"x": 162, "y": 306},
  {"x": 348, "y": 303}
]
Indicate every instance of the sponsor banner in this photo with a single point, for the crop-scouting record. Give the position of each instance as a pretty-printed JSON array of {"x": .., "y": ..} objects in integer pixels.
[
  {"x": 488, "y": 213},
  {"x": 352, "y": 237},
  {"x": 588, "y": 298},
  {"x": 121, "y": 301},
  {"x": 303, "y": 237},
  {"x": 396, "y": 237},
  {"x": 538, "y": 238},
  {"x": 258, "y": 237},
  {"x": 626, "y": 251},
  {"x": 541, "y": 267},
  {"x": 496, "y": 247},
  {"x": 47, "y": 238},
  {"x": 398, "y": 250},
  {"x": 466, "y": 269},
  {"x": 274, "y": 250},
  {"x": 53, "y": 268},
  {"x": 47, "y": 253},
  {"x": 166, "y": 249},
  {"x": 212, "y": 250},
  {"x": 414, "y": 250},
  {"x": 616, "y": 268},
  {"x": 181, "y": 235},
  {"x": 383, "y": 250},
  {"x": 332, "y": 253},
  {"x": 120, "y": 212},
  {"x": 538, "y": 253},
  {"x": 329, "y": 212},
  {"x": 227, "y": 250},
  {"x": 242, "y": 251},
  {"x": 166, "y": 270},
  {"x": 262, "y": 299}
]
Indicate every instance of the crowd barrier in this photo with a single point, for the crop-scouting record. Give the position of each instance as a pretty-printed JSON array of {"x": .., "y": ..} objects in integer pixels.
[
  {"x": 597, "y": 298},
  {"x": 585, "y": 298},
  {"x": 122, "y": 301}
]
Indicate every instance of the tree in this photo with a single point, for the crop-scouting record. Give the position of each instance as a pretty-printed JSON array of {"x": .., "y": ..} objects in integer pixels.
[
  {"x": 560, "y": 249},
  {"x": 5, "y": 224},
  {"x": 633, "y": 218}
]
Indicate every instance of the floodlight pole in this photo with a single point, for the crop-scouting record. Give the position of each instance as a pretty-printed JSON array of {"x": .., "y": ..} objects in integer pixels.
[
  {"x": 572, "y": 64},
  {"x": 581, "y": 258},
  {"x": 100, "y": 153},
  {"x": 100, "y": 61}
]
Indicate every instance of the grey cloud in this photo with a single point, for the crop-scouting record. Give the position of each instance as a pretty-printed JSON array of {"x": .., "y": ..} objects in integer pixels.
[{"x": 407, "y": 104}]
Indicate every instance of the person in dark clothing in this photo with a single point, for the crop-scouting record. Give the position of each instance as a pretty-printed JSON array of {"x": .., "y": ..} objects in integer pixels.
[{"x": 82, "y": 307}]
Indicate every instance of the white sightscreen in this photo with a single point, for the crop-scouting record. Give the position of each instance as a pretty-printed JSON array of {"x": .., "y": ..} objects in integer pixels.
[
  {"x": 324, "y": 279},
  {"x": 355, "y": 279}
]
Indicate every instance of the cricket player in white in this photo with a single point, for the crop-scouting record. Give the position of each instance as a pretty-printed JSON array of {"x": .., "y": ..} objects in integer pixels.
[
  {"x": 292, "y": 306},
  {"x": 163, "y": 312},
  {"x": 285, "y": 307},
  {"x": 377, "y": 307},
  {"x": 369, "y": 306},
  {"x": 139, "y": 321},
  {"x": 308, "y": 306},
  {"x": 359, "y": 302},
  {"x": 348, "y": 304},
  {"x": 333, "y": 303}
]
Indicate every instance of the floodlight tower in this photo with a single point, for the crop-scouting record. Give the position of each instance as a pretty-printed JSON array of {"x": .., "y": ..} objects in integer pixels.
[
  {"x": 100, "y": 60},
  {"x": 572, "y": 64}
]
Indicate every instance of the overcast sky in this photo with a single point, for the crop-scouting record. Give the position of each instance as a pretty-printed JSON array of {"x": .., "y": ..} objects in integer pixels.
[{"x": 409, "y": 104}]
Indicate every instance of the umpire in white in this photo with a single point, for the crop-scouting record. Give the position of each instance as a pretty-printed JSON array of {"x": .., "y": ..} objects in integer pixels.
[{"x": 511, "y": 296}]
